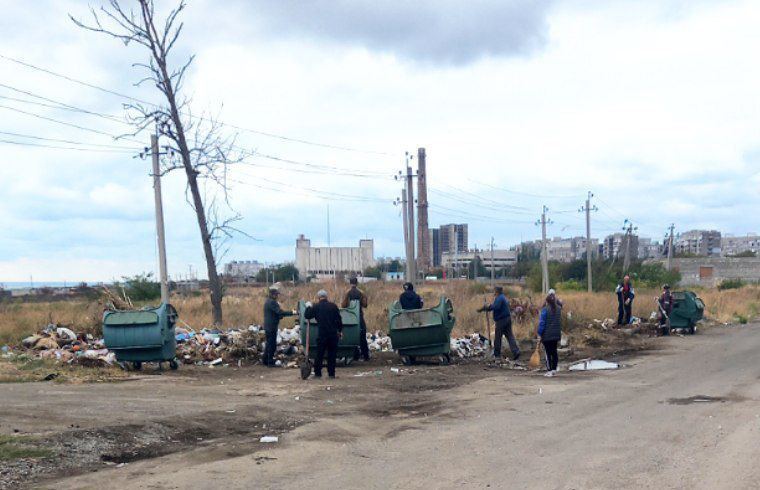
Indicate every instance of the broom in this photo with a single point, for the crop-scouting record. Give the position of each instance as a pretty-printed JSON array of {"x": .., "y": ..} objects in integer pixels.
[{"x": 535, "y": 359}]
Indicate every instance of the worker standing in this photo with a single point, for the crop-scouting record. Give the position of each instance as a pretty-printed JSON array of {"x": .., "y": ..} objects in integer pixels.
[
  {"x": 665, "y": 302},
  {"x": 327, "y": 315},
  {"x": 409, "y": 299},
  {"x": 503, "y": 320},
  {"x": 625, "y": 295},
  {"x": 272, "y": 316},
  {"x": 550, "y": 331},
  {"x": 357, "y": 294}
]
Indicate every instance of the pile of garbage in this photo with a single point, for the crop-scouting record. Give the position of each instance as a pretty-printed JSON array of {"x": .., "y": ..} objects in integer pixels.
[
  {"x": 470, "y": 346},
  {"x": 64, "y": 345}
]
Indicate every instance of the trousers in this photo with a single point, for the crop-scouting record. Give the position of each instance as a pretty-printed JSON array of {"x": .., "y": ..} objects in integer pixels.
[
  {"x": 504, "y": 328},
  {"x": 552, "y": 357},
  {"x": 269, "y": 349},
  {"x": 624, "y": 313},
  {"x": 328, "y": 345}
]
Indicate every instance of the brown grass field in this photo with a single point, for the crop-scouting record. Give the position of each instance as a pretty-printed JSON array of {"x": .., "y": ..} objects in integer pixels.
[{"x": 243, "y": 306}]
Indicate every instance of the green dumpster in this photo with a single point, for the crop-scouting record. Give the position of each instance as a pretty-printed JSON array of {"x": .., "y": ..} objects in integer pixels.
[
  {"x": 422, "y": 333},
  {"x": 349, "y": 342},
  {"x": 688, "y": 309},
  {"x": 139, "y": 336}
]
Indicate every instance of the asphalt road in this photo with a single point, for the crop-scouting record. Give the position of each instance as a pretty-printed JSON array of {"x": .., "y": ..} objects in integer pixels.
[{"x": 684, "y": 416}]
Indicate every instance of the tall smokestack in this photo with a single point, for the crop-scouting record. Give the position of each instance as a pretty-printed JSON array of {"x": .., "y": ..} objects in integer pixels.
[{"x": 423, "y": 232}]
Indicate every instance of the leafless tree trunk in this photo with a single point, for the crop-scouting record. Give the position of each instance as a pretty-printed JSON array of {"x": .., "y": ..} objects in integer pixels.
[{"x": 207, "y": 154}]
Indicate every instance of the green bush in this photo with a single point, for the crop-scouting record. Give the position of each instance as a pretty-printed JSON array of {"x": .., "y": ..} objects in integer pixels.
[
  {"x": 570, "y": 285},
  {"x": 142, "y": 287},
  {"x": 730, "y": 284}
]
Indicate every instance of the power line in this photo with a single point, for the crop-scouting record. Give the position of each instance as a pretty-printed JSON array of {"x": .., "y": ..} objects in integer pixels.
[
  {"x": 476, "y": 196},
  {"x": 519, "y": 193},
  {"x": 83, "y": 128},
  {"x": 70, "y": 142},
  {"x": 140, "y": 101},
  {"x": 41, "y": 145}
]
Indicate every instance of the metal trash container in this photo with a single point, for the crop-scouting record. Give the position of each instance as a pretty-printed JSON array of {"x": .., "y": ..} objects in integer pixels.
[
  {"x": 348, "y": 343},
  {"x": 422, "y": 333},
  {"x": 688, "y": 309},
  {"x": 139, "y": 336}
]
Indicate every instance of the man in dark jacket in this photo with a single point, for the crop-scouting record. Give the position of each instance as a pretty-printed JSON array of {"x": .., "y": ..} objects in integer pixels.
[
  {"x": 625, "y": 295},
  {"x": 503, "y": 320},
  {"x": 357, "y": 294},
  {"x": 665, "y": 302},
  {"x": 410, "y": 300},
  {"x": 272, "y": 316},
  {"x": 327, "y": 315}
]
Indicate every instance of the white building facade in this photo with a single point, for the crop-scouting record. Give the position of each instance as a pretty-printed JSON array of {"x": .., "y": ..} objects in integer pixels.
[{"x": 324, "y": 262}]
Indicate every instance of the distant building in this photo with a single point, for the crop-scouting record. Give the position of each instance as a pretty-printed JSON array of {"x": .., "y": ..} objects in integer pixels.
[
  {"x": 322, "y": 262},
  {"x": 459, "y": 262},
  {"x": 451, "y": 238},
  {"x": 394, "y": 276},
  {"x": 615, "y": 245},
  {"x": 569, "y": 249},
  {"x": 243, "y": 269},
  {"x": 650, "y": 249},
  {"x": 733, "y": 245},
  {"x": 705, "y": 243},
  {"x": 435, "y": 247}
]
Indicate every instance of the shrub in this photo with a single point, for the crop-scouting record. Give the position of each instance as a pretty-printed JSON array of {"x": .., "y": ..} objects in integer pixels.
[
  {"x": 731, "y": 284},
  {"x": 142, "y": 287}
]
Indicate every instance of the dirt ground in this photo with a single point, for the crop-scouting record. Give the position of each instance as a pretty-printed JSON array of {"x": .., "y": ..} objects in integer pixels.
[{"x": 656, "y": 422}]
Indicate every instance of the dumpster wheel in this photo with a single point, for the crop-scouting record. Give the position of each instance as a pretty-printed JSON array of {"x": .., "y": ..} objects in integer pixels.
[
  {"x": 408, "y": 360},
  {"x": 444, "y": 359},
  {"x": 347, "y": 360},
  {"x": 173, "y": 364},
  {"x": 137, "y": 365}
]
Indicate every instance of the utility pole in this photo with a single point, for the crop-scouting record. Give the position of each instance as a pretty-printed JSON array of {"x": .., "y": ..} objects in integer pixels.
[
  {"x": 670, "y": 247},
  {"x": 544, "y": 252},
  {"x": 410, "y": 218},
  {"x": 493, "y": 266},
  {"x": 629, "y": 229},
  {"x": 159, "y": 220},
  {"x": 404, "y": 211},
  {"x": 423, "y": 231},
  {"x": 587, "y": 208}
]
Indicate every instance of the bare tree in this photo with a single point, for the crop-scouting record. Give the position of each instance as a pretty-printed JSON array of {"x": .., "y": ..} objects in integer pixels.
[{"x": 204, "y": 153}]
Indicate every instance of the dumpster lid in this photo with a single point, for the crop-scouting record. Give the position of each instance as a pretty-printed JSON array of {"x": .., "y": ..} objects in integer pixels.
[{"x": 130, "y": 318}]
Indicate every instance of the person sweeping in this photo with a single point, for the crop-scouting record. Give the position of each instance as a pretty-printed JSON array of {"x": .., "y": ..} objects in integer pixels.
[{"x": 550, "y": 331}]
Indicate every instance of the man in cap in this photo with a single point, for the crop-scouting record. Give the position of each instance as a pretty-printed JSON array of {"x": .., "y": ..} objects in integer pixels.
[
  {"x": 665, "y": 302},
  {"x": 327, "y": 315},
  {"x": 357, "y": 294},
  {"x": 503, "y": 320},
  {"x": 272, "y": 316},
  {"x": 410, "y": 300}
]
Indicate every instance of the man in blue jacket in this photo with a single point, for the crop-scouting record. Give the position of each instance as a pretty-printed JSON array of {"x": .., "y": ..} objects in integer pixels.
[{"x": 503, "y": 319}]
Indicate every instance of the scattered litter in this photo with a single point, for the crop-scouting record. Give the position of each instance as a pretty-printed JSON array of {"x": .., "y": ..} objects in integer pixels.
[
  {"x": 230, "y": 411},
  {"x": 593, "y": 365},
  {"x": 269, "y": 439},
  {"x": 368, "y": 373},
  {"x": 298, "y": 398},
  {"x": 395, "y": 370}
]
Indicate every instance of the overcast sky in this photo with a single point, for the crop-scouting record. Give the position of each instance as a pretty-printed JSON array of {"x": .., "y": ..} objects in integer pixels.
[{"x": 650, "y": 104}]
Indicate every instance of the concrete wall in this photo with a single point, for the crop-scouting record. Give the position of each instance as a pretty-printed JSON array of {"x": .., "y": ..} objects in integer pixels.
[
  {"x": 323, "y": 261},
  {"x": 711, "y": 271}
]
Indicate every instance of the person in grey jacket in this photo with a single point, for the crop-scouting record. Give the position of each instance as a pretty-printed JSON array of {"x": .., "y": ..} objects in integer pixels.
[
  {"x": 550, "y": 331},
  {"x": 272, "y": 316}
]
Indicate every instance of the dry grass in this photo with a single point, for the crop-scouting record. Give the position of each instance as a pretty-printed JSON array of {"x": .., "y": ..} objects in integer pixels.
[{"x": 243, "y": 306}]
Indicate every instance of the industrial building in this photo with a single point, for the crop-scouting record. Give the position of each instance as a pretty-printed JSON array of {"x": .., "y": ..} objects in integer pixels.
[
  {"x": 704, "y": 243},
  {"x": 454, "y": 261},
  {"x": 324, "y": 262}
]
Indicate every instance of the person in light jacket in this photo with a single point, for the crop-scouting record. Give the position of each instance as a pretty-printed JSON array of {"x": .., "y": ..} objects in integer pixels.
[{"x": 550, "y": 331}]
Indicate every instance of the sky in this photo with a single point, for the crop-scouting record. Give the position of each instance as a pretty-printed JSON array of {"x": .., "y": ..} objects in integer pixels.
[{"x": 651, "y": 105}]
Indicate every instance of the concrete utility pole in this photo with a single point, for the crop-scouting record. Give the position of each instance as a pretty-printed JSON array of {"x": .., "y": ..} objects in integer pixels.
[
  {"x": 410, "y": 217},
  {"x": 544, "y": 253},
  {"x": 628, "y": 235},
  {"x": 670, "y": 247},
  {"x": 587, "y": 208},
  {"x": 423, "y": 232},
  {"x": 404, "y": 212},
  {"x": 160, "y": 234},
  {"x": 493, "y": 266}
]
